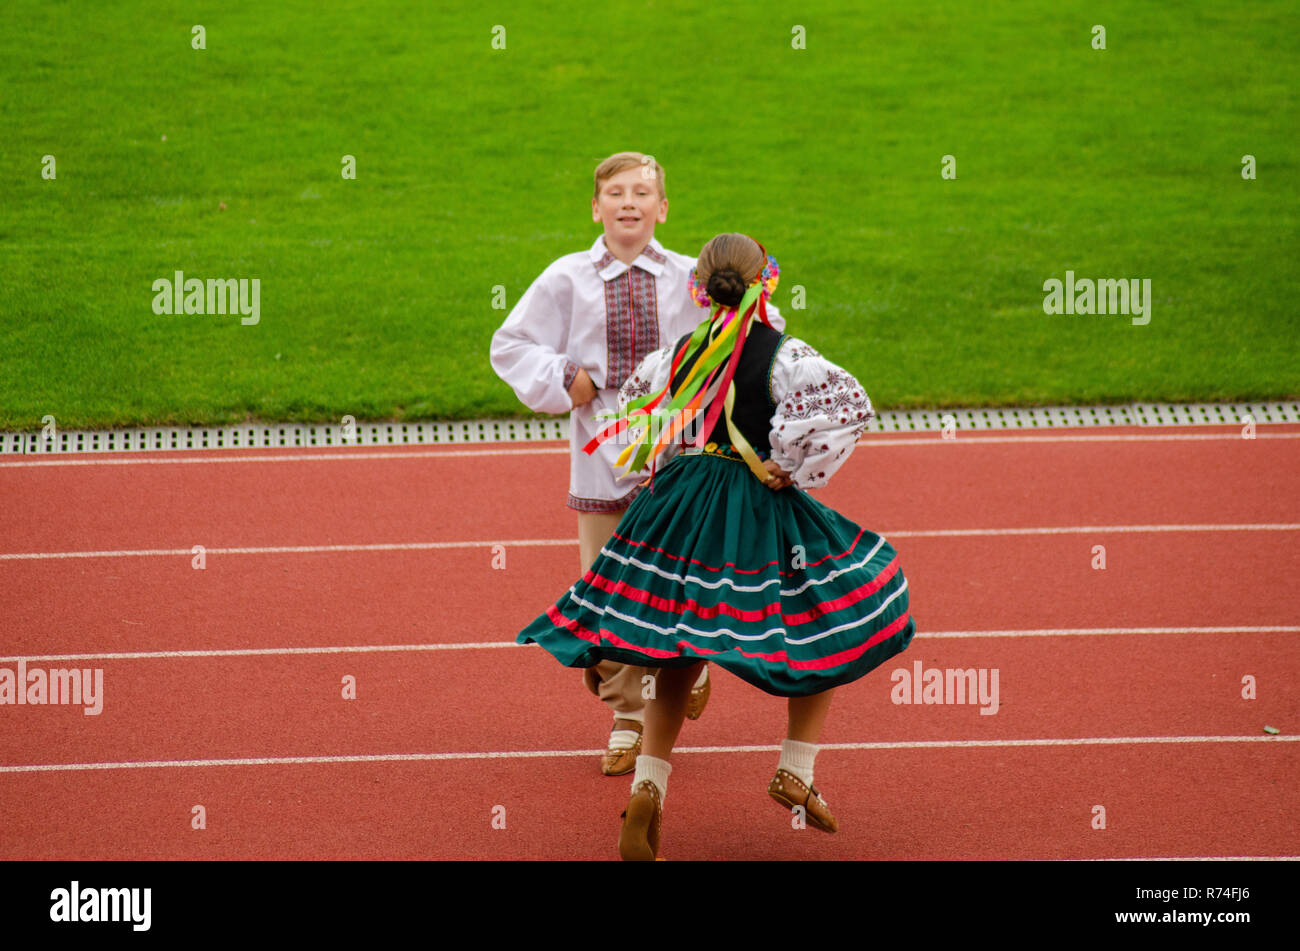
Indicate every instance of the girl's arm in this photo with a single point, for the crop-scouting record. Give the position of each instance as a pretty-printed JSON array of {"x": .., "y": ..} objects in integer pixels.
[
  {"x": 774, "y": 317},
  {"x": 821, "y": 410},
  {"x": 650, "y": 376}
]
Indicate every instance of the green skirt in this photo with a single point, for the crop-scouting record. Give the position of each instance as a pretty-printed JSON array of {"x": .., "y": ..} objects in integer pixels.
[{"x": 709, "y": 564}]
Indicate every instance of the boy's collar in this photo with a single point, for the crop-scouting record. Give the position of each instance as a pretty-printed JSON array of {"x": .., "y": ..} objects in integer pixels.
[{"x": 651, "y": 259}]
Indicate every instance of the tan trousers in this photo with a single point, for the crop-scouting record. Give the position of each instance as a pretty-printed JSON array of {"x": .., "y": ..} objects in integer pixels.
[{"x": 619, "y": 686}]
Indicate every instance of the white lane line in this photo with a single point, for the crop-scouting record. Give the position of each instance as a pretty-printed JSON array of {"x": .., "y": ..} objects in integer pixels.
[
  {"x": 536, "y": 542},
  {"x": 1194, "y": 858},
  {"x": 970, "y": 438},
  {"x": 1095, "y": 530},
  {"x": 965, "y": 438},
  {"x": 551, "y": 754},
  {"x": 482, "y": 645},
  {"x": 340, "y": 456},
  {"x": 268, "y": 651},
  {"x": 290, "y": 549},
  {"x": 1100, "y": 631}
]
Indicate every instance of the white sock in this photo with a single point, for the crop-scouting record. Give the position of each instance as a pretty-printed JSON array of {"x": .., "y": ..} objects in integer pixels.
[
  {"x": 622, "y": 739},
  {"x": 797, "y": 758},
  {"x": 625, "y": 739},
  {"x": 704, "y": 675},
  {"x": 655, "y": 770}
]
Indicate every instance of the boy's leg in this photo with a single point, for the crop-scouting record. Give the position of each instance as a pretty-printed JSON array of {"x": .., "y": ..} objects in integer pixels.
[
  {"x": 665, "y": 714},
  {"x": 594, "y": 529},
  {"x": 619, "y": 686}
]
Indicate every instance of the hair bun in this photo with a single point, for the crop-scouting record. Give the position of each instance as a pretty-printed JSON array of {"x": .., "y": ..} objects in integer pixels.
[{"x": 726, "y": 287}]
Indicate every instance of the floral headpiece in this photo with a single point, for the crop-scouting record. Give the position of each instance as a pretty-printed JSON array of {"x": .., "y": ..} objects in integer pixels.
[{"x": 768, "y": 277}]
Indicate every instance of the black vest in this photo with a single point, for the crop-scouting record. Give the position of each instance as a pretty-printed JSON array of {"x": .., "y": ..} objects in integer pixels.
[{"x": 753, "y": 408}]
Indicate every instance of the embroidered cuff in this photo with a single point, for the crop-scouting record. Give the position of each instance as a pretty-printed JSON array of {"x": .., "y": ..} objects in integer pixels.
[
  {"x": 602, "y": 505},
  {"x": 570, "y": 374}
]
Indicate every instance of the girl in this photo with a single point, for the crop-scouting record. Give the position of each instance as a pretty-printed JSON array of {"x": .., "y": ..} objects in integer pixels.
[{"x": 725, "y": 558}]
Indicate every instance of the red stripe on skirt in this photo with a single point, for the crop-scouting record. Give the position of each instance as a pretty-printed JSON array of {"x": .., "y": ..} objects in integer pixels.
[
  {"x": 669, "y": 606},
  {"x": 816, "y": 663},
  {"x": 577, "y": 630}
]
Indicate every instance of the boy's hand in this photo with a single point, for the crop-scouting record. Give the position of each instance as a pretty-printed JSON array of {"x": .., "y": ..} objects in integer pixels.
[
  {"x": 582, "y": 391},
  {"x": 780, "y": 478}
]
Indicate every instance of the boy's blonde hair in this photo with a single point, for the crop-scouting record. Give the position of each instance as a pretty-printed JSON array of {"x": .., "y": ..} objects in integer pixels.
[{"x": 623, "y": 160}]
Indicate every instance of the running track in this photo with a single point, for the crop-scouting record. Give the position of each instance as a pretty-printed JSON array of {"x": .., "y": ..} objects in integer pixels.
[{"x": 1119, "y": 688}]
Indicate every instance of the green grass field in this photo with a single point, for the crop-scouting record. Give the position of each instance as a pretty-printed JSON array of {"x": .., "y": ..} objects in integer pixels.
[{"x": 474, "y": 169}]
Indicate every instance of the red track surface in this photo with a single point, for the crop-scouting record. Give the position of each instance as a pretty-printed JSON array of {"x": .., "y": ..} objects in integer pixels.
[{"x": 905, "y": 797}]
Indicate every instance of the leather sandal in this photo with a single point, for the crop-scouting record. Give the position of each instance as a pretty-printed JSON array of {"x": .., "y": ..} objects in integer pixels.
[
  {"x": 790, "y": 791},
  {"x": 699, "y": 698},
  {"x": 642, "y": 823},
  {"x": 621, "y": 761}
]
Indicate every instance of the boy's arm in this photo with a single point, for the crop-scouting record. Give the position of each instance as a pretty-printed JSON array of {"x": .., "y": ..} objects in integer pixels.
[{"x": 525, "y": 352}]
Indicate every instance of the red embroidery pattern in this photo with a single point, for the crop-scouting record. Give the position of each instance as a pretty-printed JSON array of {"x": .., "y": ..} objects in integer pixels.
[
  {"x": 602, "y": 505},
  {"x": 607, "y": 258},
  {"x": 838, "y": 397},
  {"x": 631, "y": 321},
  {"x": 799, "y": 351},
  {"x": 635, "y": 387},
  {"x": 654, "y": 255}
]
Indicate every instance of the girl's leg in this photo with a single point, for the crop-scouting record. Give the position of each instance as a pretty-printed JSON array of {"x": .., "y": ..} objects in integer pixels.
[
  {"x": 665, "y": 713},
  {"x": 663, "y": 721},
  {"x": 807, "y": 715},
  {"x": 639, "y": 838}
]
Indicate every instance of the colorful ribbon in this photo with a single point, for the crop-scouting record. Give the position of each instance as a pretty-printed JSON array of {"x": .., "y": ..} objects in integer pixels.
[{"x": 654, "y": 421}]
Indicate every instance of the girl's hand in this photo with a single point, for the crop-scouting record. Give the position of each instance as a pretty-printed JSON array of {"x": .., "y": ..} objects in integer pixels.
[
  {"x": 780, "y": 479},
  {"x": 583, "y": 391}
]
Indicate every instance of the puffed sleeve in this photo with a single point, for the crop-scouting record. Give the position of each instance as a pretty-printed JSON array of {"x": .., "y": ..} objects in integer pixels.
[
  {"x": 774, "y": 317},
  {"x": 821, "y": 410},
  {"x": 526, "y": 351},
  {"x": 651, "y": 377}
]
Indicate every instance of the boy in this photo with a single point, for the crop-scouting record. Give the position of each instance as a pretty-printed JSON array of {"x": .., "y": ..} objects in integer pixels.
[{"x": 576, "y": 335}]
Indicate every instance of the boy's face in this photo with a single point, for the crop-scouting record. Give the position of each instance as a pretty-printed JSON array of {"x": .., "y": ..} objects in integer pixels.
[{"x": 629, "y": 206}]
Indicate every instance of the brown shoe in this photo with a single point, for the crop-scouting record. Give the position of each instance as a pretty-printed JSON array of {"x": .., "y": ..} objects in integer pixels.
[
  {"x": 790, "y": 791},
  {"x": 620, "y": 762},
  {"x": 642, "y": 822},
  {"x": 699, "y": 697}
]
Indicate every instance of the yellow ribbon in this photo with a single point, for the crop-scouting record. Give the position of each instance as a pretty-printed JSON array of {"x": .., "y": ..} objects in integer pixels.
[{"x": 740, "y": 443}]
